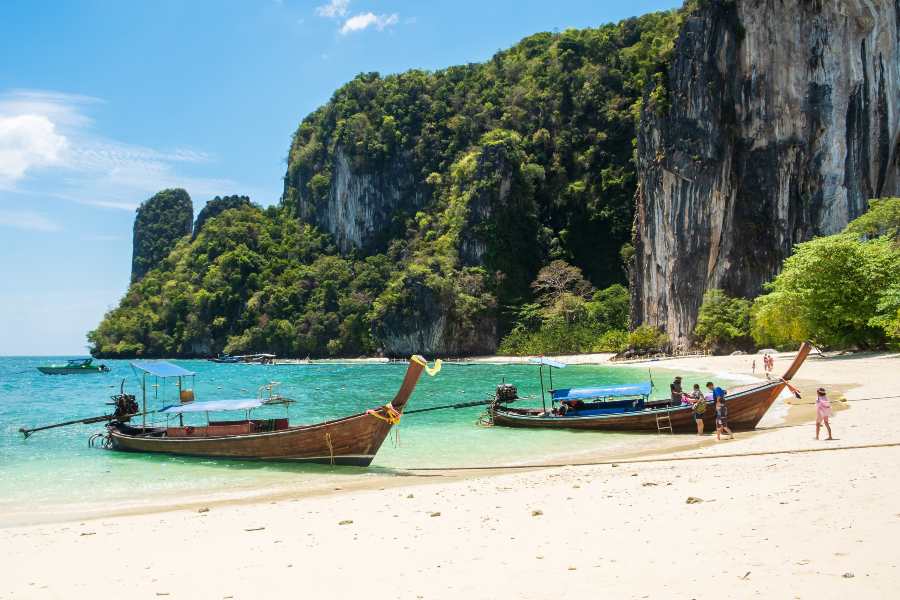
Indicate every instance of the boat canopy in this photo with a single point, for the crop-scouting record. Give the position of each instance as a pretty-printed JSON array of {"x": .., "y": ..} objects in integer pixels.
[
  {"x": 161, "y": 368},
  {"x": 213, "y": 406},
  {"x": 79, "y": 362},
  {"x": 548, "y": 362},
  {"x": 613, "y": 391}
]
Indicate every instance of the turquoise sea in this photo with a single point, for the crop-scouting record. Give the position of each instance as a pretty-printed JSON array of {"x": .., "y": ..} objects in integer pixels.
[{"x": 55, "y": 472}]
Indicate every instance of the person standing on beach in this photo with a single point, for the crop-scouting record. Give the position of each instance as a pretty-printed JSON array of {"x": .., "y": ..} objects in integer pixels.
[
  {"x": 754, "y": 366},
  {"x": 698, "y": 410},
  {"x": 823, "y": 412},
  {"x": 675, "y": 388}
]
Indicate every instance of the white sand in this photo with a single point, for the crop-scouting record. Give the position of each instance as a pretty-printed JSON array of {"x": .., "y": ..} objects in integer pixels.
[{"x": 820, "y": 524}]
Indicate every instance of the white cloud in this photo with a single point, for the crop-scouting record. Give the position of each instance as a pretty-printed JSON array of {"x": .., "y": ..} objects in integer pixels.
[
  {"x": 27, "y": 141},
  {"x": 365, "y": 20},
  {"x": 27, "y": 220},
  {"x": 48, "y": 147},
  {"x": 334, "y": 9}
]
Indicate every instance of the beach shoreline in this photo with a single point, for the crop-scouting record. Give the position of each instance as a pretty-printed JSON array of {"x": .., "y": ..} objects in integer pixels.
[{"x": 766, "y": 488}]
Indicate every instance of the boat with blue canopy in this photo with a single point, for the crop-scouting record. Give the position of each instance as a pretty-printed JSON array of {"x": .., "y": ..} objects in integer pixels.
[
  {"x": 351, "y": 440},
  {"x": 629, "y": 407}
]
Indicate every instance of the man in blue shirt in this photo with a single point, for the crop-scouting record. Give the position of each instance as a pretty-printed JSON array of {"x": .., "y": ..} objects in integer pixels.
[{"x": 717, "y": 392}]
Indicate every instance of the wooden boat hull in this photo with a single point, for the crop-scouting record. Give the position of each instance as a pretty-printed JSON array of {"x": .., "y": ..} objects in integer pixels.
[
  {"x": 352, "y": 440},
  {"x": 746, "y": 406},
  {"x": 745, "y": 409}
]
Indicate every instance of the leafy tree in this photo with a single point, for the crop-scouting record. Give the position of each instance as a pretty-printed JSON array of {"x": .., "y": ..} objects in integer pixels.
[
  {"x": 723, "y": 323},
  {"x": 882, "y": 218},
  {"x": 560, "y": 279},
  {"x": 647, "y": 338},
  {"x": 830, "y": 290}
]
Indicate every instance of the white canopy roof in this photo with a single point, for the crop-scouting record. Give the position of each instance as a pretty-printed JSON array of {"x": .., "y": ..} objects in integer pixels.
[{"x": 213, "y": 406}]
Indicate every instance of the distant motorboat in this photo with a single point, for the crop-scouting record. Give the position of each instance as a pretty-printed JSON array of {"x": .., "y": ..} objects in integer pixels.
[
  {"x": 73, "y": 367},
  {"x": 225, "y": 358}
]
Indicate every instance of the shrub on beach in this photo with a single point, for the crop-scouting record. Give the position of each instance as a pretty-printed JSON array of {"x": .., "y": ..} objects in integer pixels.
[
  {"x": 647, "y": 338},
  {"x": 723, "y": 324},
  {"x": 840, "y": 291}
]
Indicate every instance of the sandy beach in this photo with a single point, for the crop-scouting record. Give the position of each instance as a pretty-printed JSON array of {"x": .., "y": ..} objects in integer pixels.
[{"x": 772, "y": 513}]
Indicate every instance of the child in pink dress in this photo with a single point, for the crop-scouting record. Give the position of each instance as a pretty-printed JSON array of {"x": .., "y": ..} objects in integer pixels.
[{"x": 823, "y": 412}]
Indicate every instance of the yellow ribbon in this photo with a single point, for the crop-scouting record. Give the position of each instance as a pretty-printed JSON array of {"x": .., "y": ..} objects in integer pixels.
[{"x": 432, "y": 371}]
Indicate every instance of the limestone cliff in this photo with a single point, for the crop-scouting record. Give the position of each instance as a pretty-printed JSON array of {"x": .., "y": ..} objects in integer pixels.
[
  {"x": 363, "y": 207},
  {"x": 782, "y": 119},
  {"x": 158, "y": 225}
]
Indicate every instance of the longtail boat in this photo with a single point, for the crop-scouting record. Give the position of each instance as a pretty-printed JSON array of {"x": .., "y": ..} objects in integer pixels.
[
  {"x": 628, "y": 408},
  {"x": 75, "y": 366},
  {"x": 352, "y": 440}
]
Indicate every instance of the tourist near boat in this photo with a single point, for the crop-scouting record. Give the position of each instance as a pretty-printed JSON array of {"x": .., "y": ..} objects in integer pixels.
[
  {"x": 629, "y": 408},
  {"x": 74, "y": 366},
  {"x": 351, "y": 440}
]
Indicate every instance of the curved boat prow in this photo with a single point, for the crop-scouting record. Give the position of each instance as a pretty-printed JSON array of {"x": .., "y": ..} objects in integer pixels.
[
  {"x": 804, "y": 351},
  {"x": 417, "y": 364}
]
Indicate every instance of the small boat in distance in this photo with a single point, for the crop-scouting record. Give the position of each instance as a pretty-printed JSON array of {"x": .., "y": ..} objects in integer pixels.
[
  {"x": 261, "y": 359},
  {"x": 628, "y": 407},
  {"x": 73, "y": 367},
  {"x": 351, "y": 440},
  {"x": 225, "y": 358}
]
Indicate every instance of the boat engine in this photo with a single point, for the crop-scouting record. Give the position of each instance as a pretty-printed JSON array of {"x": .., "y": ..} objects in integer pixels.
[
  {"x": 125, "y": 406},
  {"x": 506, "y": 392}
]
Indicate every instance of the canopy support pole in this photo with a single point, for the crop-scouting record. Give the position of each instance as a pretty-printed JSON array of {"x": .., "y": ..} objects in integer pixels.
[{"x": 543, "y": 400}]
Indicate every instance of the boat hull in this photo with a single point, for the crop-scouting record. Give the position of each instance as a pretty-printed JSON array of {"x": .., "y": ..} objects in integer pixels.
[
  {"x": 746, "y": 406},
  {"x": 352, "y": 440},
  {"x": 70, "y": 371},
  {"x": 745, "y": 409}
]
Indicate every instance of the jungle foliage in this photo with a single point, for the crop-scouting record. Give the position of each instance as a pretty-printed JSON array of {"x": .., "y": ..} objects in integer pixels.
[
  {"x": 840, "y": 291},
  {"x": 541, "y": 137}
]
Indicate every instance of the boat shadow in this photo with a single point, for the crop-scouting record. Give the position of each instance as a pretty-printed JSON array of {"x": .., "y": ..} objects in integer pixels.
[{"x": 250, "y": 465}]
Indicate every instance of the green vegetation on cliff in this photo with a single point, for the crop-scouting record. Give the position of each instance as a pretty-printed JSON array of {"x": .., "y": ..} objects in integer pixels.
[
  {"x": 160, "y": 222},
  {"x": 511, "y": 164},
  {"x": 252, "y": 279}
]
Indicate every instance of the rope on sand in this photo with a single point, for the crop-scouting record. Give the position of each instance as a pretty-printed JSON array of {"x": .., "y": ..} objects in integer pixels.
[
  {"x": 677, "y": 458},
  {"x": 657, "y": 460}
]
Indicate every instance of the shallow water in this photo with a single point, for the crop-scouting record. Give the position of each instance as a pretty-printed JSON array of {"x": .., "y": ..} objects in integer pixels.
[{"x": 55, "y": 470}]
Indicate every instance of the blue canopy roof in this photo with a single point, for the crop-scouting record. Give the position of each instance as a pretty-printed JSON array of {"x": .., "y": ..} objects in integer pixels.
[
  {"x": 160, "y": 368},
  {"x": 612, "y": 391},
  {"x": 547, "y": 361},
  {"x": 213, "y": 406}
]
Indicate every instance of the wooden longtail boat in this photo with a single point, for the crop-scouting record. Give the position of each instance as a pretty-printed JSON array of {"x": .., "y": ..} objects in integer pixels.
[
  {"x": 746, "y": 406},
  {"x": 352, "y": 440}
]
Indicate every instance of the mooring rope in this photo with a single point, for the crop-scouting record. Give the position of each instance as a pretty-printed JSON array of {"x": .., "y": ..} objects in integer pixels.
[{"x": 653, "y": 460}]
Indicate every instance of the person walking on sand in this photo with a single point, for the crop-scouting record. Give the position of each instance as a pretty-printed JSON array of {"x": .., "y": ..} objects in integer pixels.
[
  {"x": 754, "y": 366},
  {"x": 823, "y": 412},
  {"x": 722, "y": 418}
]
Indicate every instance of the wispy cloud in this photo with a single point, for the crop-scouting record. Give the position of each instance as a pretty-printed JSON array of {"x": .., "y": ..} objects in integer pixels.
[
  {"x": 363, "y": 21},
  {"x": 27, "y": 220},
  {"x": 48, "y": 145},
  {"x": 334, "y": 9}
]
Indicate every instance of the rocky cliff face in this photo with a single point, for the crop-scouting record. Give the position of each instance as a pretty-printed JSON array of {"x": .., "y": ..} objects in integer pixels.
[
  {"x": 160, "y": 222},
  {"x": 363, "y": 209},
  {"x": 783, "y": 118}
]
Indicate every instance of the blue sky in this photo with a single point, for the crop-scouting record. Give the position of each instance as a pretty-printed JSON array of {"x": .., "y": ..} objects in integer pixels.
[{"x": 104, "y": 103}]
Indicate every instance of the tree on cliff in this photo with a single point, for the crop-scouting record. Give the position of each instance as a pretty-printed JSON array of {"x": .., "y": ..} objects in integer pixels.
[
  {"x": 217, "y": 206},
  {"x": 160, "y": 222}
]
